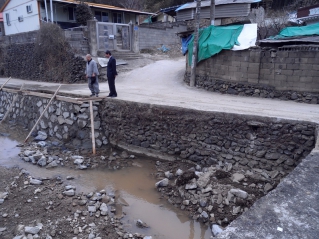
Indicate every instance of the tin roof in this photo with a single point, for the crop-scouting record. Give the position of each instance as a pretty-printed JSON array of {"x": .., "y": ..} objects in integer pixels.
[
  {"x": 107, "y": 7},
  {"x": 309, "y": 39},
  {"x": 217, "y": 2}
]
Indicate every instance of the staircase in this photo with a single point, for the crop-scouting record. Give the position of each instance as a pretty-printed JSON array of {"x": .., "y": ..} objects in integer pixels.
[{"x": 123, "y": 55}]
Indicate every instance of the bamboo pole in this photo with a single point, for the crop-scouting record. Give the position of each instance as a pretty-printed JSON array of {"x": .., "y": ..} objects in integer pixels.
[
  {"x": 92, "y": 127},
  {"x": 11, "y": 106},
  {"x": 43, "y": 113},
  {"x": 5, "y": 83}
]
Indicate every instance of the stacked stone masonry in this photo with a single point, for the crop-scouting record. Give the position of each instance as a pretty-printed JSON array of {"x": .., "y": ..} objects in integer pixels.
[
  {"x": 209, "y": 137},
  {"x": 287, "y": 74},
  {"x": 64, "y": 121},
  {"x": 205, "y": 138}
]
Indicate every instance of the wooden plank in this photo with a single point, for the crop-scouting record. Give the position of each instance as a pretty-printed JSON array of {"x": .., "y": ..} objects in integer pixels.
[
  {"x": 48, "y": 96},
  {"x": 92, "y": 127},
  {"x": 11, "y": 106},
  {"x": 58, "y": 97},
  {"x": 46, "y": 108},
  {"x": 5, "y": 83},
  {"x": 10, "y": 90}
]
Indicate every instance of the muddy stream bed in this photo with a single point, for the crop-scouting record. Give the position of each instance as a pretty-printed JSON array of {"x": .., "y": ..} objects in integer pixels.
[{"x": 133, "y": 186}]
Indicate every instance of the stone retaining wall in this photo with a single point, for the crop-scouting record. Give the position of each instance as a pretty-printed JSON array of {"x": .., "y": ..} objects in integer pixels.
[
  {"x": 202, "y": 137},
  {"x": 209, "y": 137},
  {"x": 64, "y": 121},
  {"x": 286, "y": 73}
]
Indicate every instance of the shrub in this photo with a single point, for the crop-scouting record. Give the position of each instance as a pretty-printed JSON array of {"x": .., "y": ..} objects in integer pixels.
[{"x": 83, "y": 13}]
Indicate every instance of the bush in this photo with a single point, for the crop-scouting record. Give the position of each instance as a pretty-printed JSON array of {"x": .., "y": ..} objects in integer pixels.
[
  {"x": 53, "y": 55},
  {"x": 83, "y": 13}
]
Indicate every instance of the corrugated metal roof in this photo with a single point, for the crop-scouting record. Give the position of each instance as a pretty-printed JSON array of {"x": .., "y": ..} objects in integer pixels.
[
  {"x": 108, "y": 7},
  {"x": 217, "y": 2},
  {"x": 311, "y": 39}
]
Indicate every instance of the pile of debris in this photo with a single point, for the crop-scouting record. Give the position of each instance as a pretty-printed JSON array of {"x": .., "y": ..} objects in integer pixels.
[{"x": 214, "y": 195}]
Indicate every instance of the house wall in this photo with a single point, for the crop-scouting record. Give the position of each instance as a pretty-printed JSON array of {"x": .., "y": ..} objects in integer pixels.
[
  {"x": 30, "y": 20},
  {"x": 221, "y": 11},
  {"x": 290, "y": 73}
]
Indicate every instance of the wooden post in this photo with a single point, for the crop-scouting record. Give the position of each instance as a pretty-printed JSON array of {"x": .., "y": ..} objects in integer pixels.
[
  {"x": 11, "y": 106},
  {"x": 43, "y": 113},
  {"x": 4, "y": 84},
  {"x": 92, "y": 127}
]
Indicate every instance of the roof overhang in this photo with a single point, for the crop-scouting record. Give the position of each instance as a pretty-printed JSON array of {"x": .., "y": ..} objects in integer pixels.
[
  {"x": 106, "y": 7},
  {"x": 4, "y": 5},
  {"x": 303, "y": 39},
  {"x": 308, "y": 19},
  {"x": 170, "y": 10}
]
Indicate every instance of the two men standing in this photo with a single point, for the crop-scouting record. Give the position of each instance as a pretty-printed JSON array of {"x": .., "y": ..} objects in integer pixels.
[{"x": 92, "y": 75}]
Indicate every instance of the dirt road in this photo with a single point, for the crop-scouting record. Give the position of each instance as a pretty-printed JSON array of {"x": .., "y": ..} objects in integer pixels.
[{"x": 161, "y": 83}]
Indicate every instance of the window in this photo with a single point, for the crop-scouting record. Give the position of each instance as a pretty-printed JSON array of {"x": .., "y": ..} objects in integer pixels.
[
  {"x": 29, "y": 8},
  {"x": 117, "y": 17},
  {"x": 8, "y": 19},
  {"x": 71, "y": 11},
  {"x": 20, "y": 18},
  {"x": 101, "y": 16},
  {"x": 105, "y": 17}
]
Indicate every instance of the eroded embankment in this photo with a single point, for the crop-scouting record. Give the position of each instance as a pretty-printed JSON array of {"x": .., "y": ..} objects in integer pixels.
[{"x": 249, "y": 154}]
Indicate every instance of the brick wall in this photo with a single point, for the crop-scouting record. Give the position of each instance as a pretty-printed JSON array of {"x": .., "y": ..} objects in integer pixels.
[
  {"x": 290, "y": 73},
  {"x": 150, "y": 37}
]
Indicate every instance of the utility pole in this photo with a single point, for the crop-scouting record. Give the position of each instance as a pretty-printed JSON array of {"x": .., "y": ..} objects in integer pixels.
[
  {"x": 212, "y": 12},
  {"x": 195, "y": 44}
]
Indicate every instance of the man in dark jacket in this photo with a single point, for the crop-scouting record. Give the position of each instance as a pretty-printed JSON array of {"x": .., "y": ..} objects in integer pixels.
[{"x": 111, "y": 73}]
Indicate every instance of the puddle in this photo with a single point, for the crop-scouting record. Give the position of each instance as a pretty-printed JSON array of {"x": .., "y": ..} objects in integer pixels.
[{"x": 133, "y": 185}]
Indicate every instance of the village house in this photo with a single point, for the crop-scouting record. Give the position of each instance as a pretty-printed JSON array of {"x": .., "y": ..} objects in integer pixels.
[
  {"x": 308, "y": 15},
  {"x": 224, "y": 9},
  {"x": 27, "y": 15}
]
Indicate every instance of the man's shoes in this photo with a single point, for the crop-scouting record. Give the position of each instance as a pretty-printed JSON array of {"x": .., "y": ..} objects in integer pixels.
[
  {"x": 92, "y": 95},
  {"x": 112, "y": 96},
  {"x": 97, "y": 95}
]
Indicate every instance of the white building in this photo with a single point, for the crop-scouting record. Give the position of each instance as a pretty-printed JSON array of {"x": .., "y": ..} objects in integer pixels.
[
  {"x": 20, "y": 16},
  {"x": 26, "y": 15}
]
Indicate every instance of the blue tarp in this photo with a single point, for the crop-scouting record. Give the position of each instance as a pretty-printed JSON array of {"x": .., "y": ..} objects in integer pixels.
[
  {"x": 185, "y": 42},
  {"x": 310, "y": 30}
]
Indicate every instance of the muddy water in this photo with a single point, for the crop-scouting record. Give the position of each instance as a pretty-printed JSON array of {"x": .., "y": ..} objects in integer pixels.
[{"x": 135, "y": 188}]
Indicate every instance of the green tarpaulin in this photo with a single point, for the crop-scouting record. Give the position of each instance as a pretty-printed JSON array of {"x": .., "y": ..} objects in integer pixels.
[
  {"x": 213, "y": 39},
  {"x": 298, "y": 31}
]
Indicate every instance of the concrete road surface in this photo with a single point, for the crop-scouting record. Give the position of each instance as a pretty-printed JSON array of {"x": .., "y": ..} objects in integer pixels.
[{"x": 162, "y": 83}]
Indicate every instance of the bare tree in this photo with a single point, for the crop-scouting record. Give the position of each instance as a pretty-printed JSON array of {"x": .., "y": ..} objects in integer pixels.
[
  {"x": 132, "y": 4},
  {"x": 270, "y": 23}
]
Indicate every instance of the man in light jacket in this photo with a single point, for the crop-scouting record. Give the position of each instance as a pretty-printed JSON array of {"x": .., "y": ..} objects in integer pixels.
[{"x": 92, "y": 73}]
